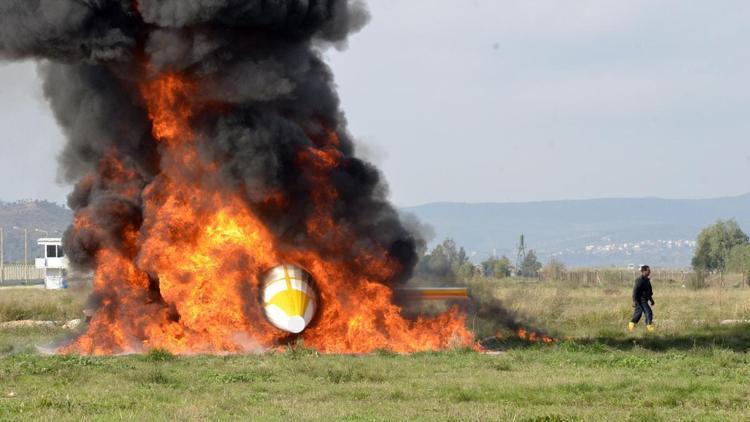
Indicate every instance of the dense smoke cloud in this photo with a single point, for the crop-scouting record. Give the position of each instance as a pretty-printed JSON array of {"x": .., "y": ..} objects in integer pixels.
[
  {"x": 102, "y": 30},
  {"x": 66, "y": 30},
  {"x": 259, "y": 59}
]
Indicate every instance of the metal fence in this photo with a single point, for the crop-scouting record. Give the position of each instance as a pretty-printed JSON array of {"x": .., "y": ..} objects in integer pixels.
[
  {"x": 599, "y": 276},
  {"x": 20, "y": 272}
]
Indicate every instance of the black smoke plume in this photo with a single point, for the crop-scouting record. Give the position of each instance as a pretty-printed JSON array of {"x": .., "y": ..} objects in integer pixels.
[{"x": 260, "y": 59}]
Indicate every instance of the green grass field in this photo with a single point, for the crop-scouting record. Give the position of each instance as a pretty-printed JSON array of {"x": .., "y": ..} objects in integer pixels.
[{"x": 693, "y": 367}]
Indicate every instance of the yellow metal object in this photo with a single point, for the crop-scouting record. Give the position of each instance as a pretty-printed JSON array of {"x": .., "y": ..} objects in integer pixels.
[
  {"x": 631, "y": 326},
  {"x": 289, "y": 300},
  {"x": 293, "y": 302},
  {"x": 435, "y": 293}
]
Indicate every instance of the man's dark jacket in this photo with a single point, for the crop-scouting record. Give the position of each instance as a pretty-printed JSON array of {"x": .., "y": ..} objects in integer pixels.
[{"x": 642, "y": 292}]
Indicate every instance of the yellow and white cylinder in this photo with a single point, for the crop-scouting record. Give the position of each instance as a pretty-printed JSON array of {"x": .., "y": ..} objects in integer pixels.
[{"x": 289, "y": 300}]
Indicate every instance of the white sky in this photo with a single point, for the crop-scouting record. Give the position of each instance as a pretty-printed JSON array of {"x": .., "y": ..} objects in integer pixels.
[{"x": 490, "y": 100}]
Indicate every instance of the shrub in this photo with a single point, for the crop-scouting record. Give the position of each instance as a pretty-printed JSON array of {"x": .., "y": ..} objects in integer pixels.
[{"x": 159, "y": 355}]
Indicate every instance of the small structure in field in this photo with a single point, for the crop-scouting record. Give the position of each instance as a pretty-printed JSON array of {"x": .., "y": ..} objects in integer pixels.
[{"x": 54, "y": 263}]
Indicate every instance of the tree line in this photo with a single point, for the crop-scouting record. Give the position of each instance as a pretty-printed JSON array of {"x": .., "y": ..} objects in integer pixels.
[
  {"x": 721, "y": 248},
  {"x": 448, "y": 259}
]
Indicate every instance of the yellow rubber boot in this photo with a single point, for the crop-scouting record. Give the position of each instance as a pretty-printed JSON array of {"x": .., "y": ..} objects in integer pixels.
[
  {"x": 631, "y": 326},
  {"x": 650, "y": 327}
]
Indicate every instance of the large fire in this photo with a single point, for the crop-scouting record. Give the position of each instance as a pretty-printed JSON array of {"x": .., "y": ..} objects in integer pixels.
[
  {"x": 187, "y": 279},
  {"x": 208, "y": 149}
]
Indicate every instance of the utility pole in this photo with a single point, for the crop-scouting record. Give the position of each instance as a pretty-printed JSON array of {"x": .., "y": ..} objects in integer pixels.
[
  {"x": 2, "y": 258},
  {"x": 25, "y": 254}
]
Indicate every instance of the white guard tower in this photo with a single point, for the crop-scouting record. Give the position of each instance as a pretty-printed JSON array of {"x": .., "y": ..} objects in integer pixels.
[{"x": 54, "y": 263}]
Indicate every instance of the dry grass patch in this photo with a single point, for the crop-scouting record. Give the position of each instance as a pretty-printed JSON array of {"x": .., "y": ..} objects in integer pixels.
[{"x": 40, "y": 304}]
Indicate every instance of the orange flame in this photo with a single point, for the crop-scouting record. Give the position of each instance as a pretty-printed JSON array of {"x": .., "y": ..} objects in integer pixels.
[
  {"x": 531, "y": 337},
  {"x": 207, "y": 250}
]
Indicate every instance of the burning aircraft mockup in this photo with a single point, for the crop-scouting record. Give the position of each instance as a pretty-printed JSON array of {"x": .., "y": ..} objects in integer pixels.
[
  {"x": 289, "y": 298},
  {"x": 207, "y": 145}
]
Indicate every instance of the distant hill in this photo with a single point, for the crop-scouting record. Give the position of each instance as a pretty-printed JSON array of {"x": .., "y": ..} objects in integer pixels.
[
  {"x": 598, "y": 232},
  {"x": 32, "y": 215}
]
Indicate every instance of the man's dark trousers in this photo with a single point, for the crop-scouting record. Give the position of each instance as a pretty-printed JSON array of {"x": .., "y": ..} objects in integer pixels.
[{"x": 640, "y": 309}]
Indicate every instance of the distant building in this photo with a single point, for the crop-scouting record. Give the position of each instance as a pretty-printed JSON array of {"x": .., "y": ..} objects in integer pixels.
[{"x": 54, "y": 263}]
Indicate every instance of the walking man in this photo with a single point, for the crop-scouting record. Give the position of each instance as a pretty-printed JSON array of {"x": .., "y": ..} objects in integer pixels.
[{"x": 642, "y": 297}]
